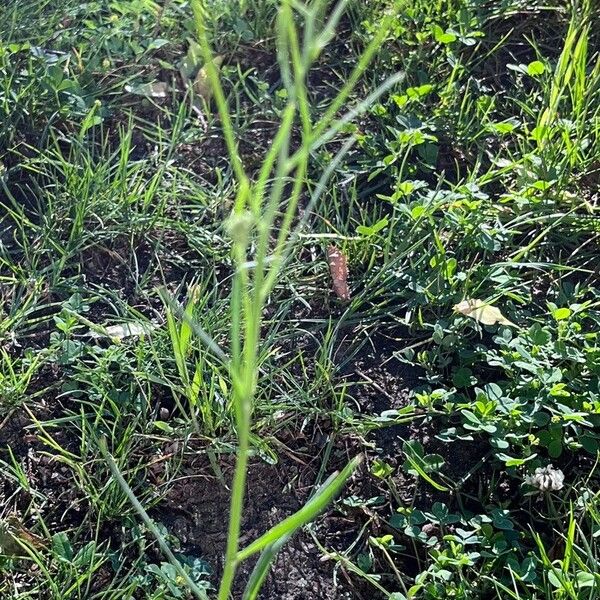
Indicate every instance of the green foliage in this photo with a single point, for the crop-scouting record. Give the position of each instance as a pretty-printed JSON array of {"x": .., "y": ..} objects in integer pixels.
[{"x": 165, "y": 300}]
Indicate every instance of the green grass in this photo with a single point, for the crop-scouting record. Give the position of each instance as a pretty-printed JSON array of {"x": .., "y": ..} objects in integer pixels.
[{"x": 169, "y": 332}]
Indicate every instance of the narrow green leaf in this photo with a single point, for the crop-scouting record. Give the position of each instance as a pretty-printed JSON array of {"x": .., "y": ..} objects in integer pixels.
[
  {"x": 116, "y": 473},
  {"x": 176, "y": 345},
  {"x": 308, "y": 512},
  {"x": 185, "y": 332},
  {"x": 261, "y": 569},
  {"x": 414, "y": 462}
]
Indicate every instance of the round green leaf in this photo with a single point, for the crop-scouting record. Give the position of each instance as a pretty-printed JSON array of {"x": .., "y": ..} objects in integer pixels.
[
  {"x": 555, "y": 448},
  {"x": 535, "y": 68},
  {"x": 560, "y": 314}
]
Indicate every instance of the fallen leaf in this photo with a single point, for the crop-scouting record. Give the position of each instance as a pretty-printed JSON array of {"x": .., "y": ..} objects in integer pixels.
[
  {"x": 124, "y": 330},
  {"x": 12, "y": 531},
  {"x": 202, "y": 86},
  {"x": 338, "y": 267},
  {"x": 157, "y": 89},
  {"x": 482, "y": 311}
]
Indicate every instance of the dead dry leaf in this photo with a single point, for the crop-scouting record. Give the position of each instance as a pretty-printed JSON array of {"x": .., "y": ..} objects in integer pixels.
[
  {"x": 202, "y": 86},
  {"x": 157, "y": 89},
  {"x": 483, "y": 312},
  {"x": 12, "y": 531},
  {"x": 124, "y": 330},
  {"x": 338, "y": 267}
]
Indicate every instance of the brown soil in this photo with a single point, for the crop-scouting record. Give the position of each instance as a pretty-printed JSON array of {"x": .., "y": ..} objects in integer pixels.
[{"x": 196, "y": 510}]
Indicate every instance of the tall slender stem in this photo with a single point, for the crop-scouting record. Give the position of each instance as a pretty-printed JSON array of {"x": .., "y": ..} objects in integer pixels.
[
  {"x": 236, "y": 509},
  {"x": 254, "y": 216}
]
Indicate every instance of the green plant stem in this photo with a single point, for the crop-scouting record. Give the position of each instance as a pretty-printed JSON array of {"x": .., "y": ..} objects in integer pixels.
[
  {"x": 251, "y": 287},
  {"x": 213, "y": 76},
  {"x": 116, "y": 473},
  {"x": 235, "y": 513}
]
